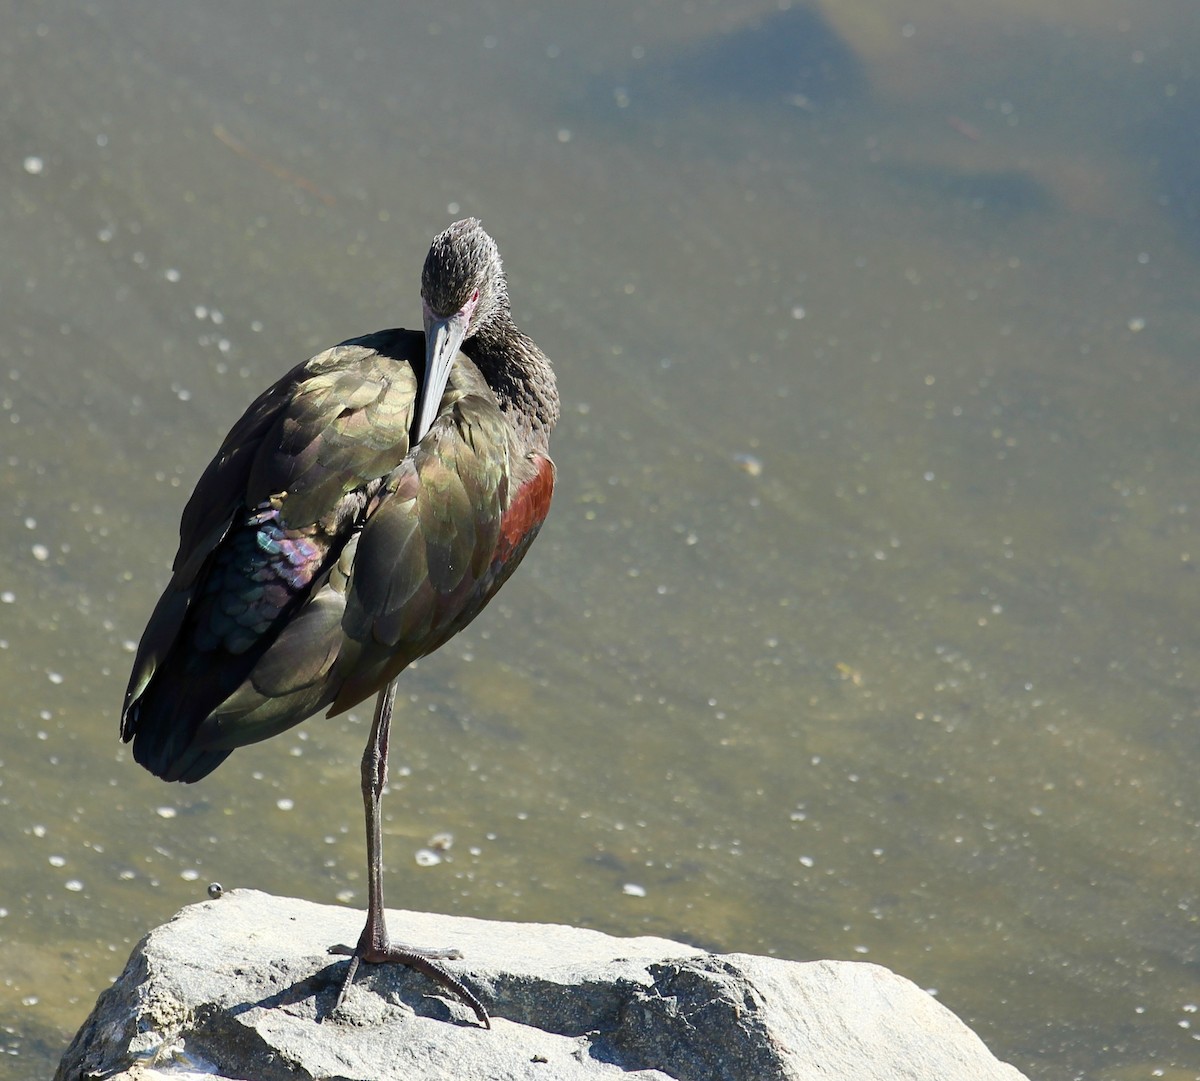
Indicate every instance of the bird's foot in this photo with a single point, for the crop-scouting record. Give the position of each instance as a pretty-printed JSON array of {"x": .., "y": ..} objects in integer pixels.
[{"x": 423, "y": 959}]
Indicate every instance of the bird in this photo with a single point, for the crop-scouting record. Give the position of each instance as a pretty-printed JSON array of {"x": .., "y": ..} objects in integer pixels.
[{"x": 363, "y": 510}]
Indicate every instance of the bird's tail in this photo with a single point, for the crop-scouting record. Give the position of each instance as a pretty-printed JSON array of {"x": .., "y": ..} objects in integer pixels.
[{"x": 163, "y": 744}]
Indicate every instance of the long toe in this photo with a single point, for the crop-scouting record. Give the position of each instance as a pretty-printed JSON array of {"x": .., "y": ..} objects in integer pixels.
[{"x": 424, "y": 959}]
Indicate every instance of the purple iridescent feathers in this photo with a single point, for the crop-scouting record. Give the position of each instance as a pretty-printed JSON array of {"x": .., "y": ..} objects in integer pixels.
[{"x": 261, "y": 571}]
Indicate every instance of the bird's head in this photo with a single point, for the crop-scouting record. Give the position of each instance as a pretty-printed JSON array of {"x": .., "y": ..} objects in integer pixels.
[
  {"x": 463, "y": 277},
  {"x": 462, "y": 292}
]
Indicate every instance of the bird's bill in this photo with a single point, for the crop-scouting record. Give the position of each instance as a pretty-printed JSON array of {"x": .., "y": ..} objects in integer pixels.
[{"x": 443, "y": 336}]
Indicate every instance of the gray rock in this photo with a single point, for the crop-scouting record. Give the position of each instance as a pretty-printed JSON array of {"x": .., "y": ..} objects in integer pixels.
[{"x": 241, "y": 987}]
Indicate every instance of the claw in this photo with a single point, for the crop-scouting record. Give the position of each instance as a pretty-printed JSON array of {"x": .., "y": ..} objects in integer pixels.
[{"x": 422, "y": 959}]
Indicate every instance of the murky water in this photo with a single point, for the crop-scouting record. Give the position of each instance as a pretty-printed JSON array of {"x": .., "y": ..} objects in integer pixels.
[{"x": 864, "y": 624}]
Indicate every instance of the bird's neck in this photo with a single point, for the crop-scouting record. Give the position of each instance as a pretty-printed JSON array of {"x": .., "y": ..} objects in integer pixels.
[{"x": 521, "y": 378}]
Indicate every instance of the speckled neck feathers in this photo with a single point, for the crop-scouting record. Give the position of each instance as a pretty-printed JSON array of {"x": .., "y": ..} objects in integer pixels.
[{"x": 464, "y": 263}]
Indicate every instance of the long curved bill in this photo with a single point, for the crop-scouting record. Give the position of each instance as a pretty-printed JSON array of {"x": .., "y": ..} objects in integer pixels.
[{"x": 443, "y": 336}]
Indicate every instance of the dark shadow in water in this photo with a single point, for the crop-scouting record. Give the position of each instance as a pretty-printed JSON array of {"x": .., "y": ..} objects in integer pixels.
[
  {"x": 786, "y": 61},
  {"x": 784, "y": 56},
  {"x": 1169, "y": 144},
  {"x": 1004, "y": 194}
]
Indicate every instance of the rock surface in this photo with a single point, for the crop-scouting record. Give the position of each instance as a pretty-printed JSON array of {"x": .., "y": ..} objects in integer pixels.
[{"x": 240, "y": 987}]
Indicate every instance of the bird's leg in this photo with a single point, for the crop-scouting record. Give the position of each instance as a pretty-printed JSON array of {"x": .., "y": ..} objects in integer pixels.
[{"x": 374, "y": 945}]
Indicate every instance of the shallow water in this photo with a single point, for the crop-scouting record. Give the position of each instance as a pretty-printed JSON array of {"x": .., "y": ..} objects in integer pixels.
[{"x": 864, "y": 624}]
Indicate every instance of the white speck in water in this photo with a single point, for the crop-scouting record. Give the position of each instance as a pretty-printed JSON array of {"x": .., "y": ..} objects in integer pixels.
[
  {"x": 564, "y": 135},
  {"x": 172, "y": 275},
  {"x": 58, "y": 861},
  {"x": 30, "y": 1000},
  {"x": 285, "y": 804},
  {"x": 34, "y": 165},
  {"x": 73, "y": 884},
  {"x": 39, "y": 831},
  {"x": 1137, "y": 323},
  {"x": 165, "y": 812},
  {"x": 8, "y": 596},
  {"x": 189, "y": 875},
  {"x": 426, "y": 857},
  {"x": 54, "y": 677},
  {"x": 632, "y": 889},
  {"x": 453, "y": 208},
  {"x": 441, "y": 842},
  {"x": 344, "y": 897},
  {"x": 201, "y": 311},
  {"x": 40, "y": 552},
  {"x": 748, "y": 463},
  {"x": 807, "y": 861},
  {"x": 798, "y": 312}
]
